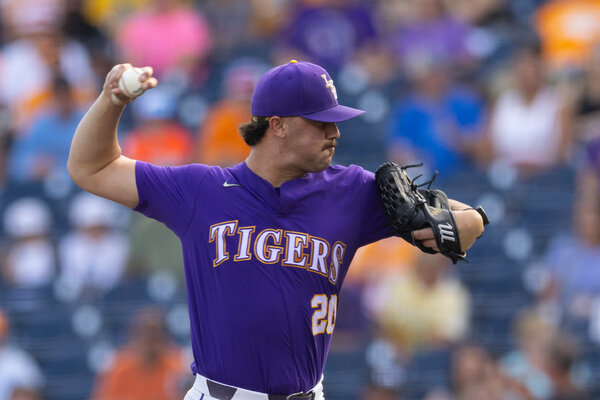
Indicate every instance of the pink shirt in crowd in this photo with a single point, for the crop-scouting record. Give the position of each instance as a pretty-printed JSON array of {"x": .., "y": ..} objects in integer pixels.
[{"x": 164, "y": 40}]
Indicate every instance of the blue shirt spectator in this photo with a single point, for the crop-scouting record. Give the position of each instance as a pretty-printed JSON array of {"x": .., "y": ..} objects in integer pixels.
[
  {"x": 437, "y": 123},
  {"x": 572, "y": 260},
  {"x": 43, "y": 150}
]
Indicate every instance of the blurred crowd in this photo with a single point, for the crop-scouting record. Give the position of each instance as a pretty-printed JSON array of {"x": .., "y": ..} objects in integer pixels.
[{"x": 502, "y": 97}]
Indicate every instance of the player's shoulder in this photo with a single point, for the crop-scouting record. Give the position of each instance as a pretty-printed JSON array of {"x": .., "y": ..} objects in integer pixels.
[
  {"x": 347, "y": 175},
  {"x": 185, "y": 176},
  {"x": 351, "y": 170},
  {"x": 196, "y": 170},
  {"x": 209, "y": 175}
]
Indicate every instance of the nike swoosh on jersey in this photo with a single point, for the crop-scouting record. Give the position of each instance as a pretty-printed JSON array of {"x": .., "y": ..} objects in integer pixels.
[{"x": 226, "y": 184}]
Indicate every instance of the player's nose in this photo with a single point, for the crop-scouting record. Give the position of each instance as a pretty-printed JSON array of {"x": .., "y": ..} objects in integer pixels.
[{"x": 332, "y": 131}]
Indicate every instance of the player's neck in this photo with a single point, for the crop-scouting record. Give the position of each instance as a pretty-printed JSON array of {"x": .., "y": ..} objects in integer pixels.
[{"x": 271, "y": 167}]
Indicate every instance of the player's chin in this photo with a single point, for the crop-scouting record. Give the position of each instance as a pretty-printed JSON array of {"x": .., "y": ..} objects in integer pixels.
[
  {"x": 321, "y": 165},
  {"x": 329, "y": 157}
]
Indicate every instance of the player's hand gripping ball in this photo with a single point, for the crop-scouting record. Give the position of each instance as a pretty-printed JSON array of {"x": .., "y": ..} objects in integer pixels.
[{"x": 130, "y": 83}]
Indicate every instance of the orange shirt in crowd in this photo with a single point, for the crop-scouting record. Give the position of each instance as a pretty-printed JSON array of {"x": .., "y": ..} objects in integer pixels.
[
  {"x": 380, "y": 259},
  {"x": 569, "y": 29},
  {"x": 219, "y": 142},
  {"x": 160, "y": 142},
  {"x": 131, "y": 378}
]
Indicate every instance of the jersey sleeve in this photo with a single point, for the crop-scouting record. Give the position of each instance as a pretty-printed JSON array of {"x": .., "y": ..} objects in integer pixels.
[
  {"x": 168, "y": 194},
  {"x": 374, "y": 222}
]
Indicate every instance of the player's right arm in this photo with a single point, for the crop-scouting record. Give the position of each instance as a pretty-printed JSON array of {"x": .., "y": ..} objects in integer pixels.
[{"x": 96, "y": 163}]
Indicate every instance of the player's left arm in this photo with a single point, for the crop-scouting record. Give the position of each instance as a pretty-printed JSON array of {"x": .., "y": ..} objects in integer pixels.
[{"x": 469, "y": 223}]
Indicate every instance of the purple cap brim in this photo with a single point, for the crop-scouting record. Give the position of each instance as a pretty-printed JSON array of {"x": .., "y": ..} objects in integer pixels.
[{"x": 336, "y": 113}]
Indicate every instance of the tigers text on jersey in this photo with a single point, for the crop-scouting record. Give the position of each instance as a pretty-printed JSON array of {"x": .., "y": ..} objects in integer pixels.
[{"x": 263, "y": 265}]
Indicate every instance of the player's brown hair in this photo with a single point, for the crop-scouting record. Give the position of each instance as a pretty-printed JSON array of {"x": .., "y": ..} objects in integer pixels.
[{"x": 253, "y": 131}]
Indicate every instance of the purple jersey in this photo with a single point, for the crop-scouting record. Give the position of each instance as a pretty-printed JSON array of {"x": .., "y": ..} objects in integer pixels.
[{"x": 263, "y": 265}]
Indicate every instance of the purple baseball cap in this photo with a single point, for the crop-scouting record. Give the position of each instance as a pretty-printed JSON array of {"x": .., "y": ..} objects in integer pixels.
[{"x": 299, "y": 89}]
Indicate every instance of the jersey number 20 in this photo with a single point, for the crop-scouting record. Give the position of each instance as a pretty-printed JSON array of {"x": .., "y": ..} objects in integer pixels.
[{"x": 323, "y": 319}]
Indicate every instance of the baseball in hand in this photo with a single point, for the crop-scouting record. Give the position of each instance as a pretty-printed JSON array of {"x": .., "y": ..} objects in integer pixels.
[{"x": 130, "y": 83}]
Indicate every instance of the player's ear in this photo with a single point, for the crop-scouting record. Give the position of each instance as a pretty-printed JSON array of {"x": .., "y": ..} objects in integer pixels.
[{"x": 278, "y": 126}]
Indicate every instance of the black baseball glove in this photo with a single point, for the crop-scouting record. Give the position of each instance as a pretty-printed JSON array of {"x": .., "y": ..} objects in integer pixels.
[{"x": 410, "y": 208}]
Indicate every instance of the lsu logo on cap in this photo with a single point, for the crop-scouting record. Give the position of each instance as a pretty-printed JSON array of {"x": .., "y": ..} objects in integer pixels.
[{"x": 329, "y": 84}]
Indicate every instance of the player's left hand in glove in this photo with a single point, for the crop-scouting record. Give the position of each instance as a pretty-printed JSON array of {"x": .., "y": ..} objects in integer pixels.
[{"x": 412, "y": 209}]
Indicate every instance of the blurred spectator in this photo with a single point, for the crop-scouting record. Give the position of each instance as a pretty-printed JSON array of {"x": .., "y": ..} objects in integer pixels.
[
  {"x": 169, "y": 35},
  {"x": 473, "y": 374},
  {"x": 6, "y": 140},
  {"x": 476, "y": 375},
  {"x": 421, "y": 310},
  {"x": 78, "y": 27},
  {"x": 572, "y": 278},
  {"x": 31, "y": 255},
  {"x": 22, "y": 393},
  {"x": 109, "y": 14},
  {"x": 154, "y": 247},
  {"x": 588, "y": 175},
  {"x": 391, "y": 14},
  {"x": 568, "y": 29},
  {"x": 374, "y": 264},
  {"x": 527, "y": 362},
  {"x": 268, "y": 16},
  {"x": 328, "y": 33},
  {"x": 430, "y": 31},
  {"x": 148, "y": 367},
  {"x": 587, "y": 110},
  {"x": 158, "y": 138},
  {"x": 96, "y": 40},
  {"x": 562, "y": 360},
  {"x": 387, "y": 370},
  {"x": 531, "y": 123},
  {"x": 43, "y": 149},
  {"x": 233, "y": 26},
  {"x": 437, "y": 122},
  {"x": 94, "y": 253},
  {"x": 19, "y": 372},
  {"x": 219, "y": 141},
  {"x": 424, "y": 308},
  {"x": 587, "y": 106},
  {"x": 373, "y": 67},
  {"x": 476, "y": 11},
  {"x": 388, "y": 257},
  {"x": 38, "y": 52},
  {"x": 23, "y": 17}
]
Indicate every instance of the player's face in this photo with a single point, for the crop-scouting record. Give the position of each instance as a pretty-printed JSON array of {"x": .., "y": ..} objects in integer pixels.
[{"x": 311, "y": 144}]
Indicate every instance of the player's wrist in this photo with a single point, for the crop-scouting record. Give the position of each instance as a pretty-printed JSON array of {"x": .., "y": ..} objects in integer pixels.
[{"x": 112, "y": 100}]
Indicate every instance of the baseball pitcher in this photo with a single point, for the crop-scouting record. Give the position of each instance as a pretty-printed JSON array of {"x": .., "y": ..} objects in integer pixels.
[{"x": 267, "y": 243}]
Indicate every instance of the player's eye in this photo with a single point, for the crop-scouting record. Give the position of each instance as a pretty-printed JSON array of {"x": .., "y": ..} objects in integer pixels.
[{"x": 319, "y": 125}]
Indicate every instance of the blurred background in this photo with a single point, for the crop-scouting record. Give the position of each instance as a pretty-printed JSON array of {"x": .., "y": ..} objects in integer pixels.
[{"x": 501, "y": 96}]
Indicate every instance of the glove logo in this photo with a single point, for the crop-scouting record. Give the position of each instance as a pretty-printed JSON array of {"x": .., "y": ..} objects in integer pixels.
[
  {"x": 446, "y": 232},
  {"x": 435, "y": 211}
]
